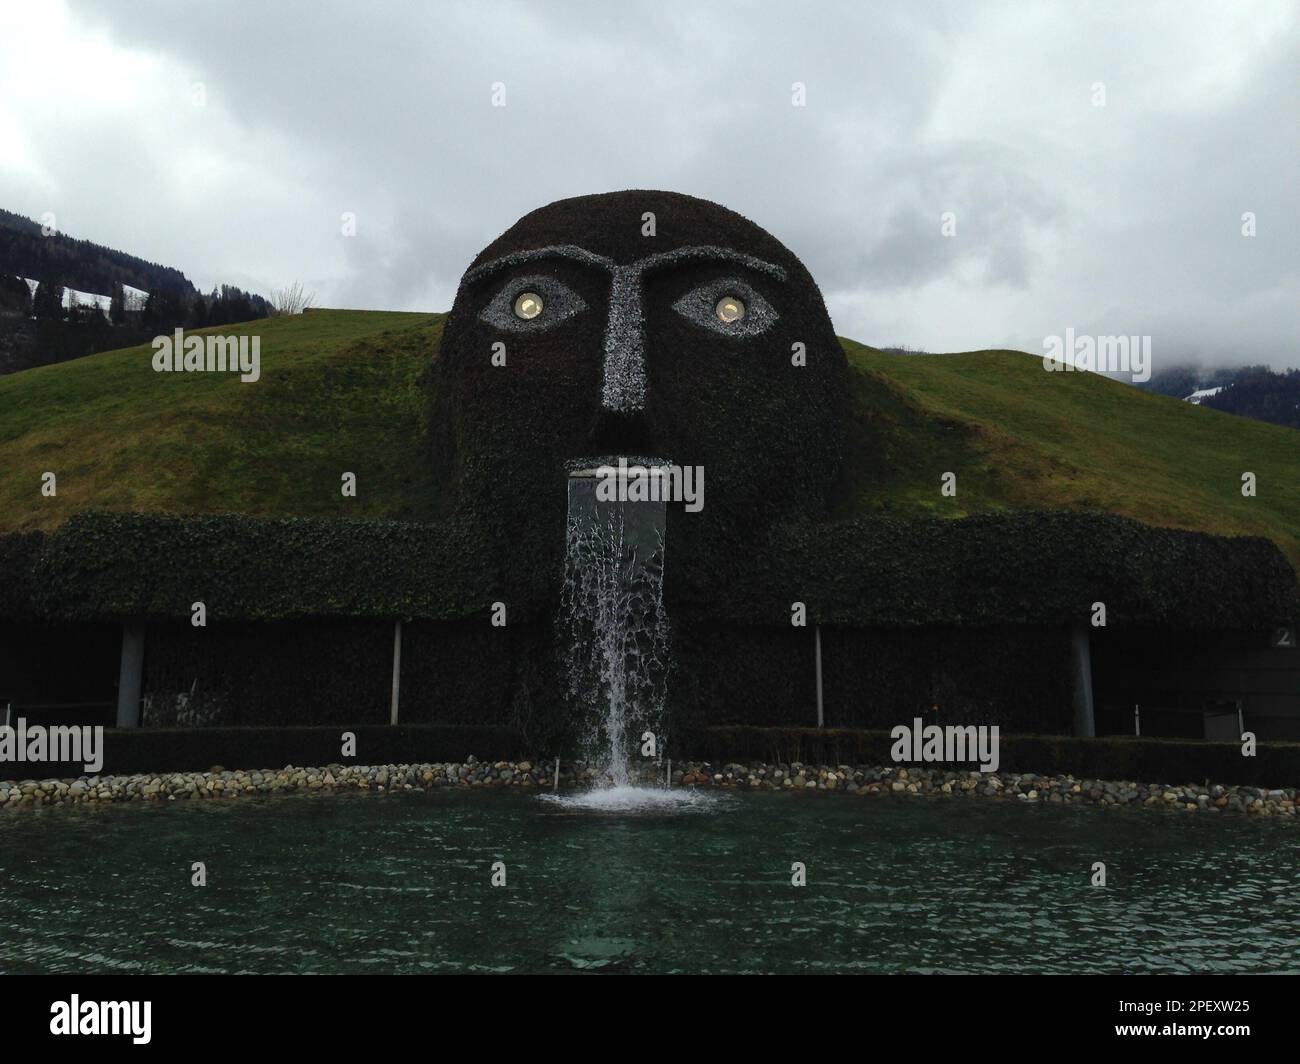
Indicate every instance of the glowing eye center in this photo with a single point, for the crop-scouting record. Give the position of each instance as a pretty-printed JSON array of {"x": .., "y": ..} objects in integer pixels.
[
  {"x": 528, "y": 305},
  {"x": 729, "y": 310}
]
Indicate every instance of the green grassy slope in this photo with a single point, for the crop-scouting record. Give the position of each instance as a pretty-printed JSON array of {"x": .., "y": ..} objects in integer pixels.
[
  {"x": 1018, "y": 436},
  {"x": 340, "y": 392},
  {"x": 343, "y": 391}
]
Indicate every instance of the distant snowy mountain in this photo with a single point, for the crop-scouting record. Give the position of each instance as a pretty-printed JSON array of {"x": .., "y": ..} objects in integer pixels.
[
  {"x": 158, "y": 298},
  {"x": 1248, "y": 391}
]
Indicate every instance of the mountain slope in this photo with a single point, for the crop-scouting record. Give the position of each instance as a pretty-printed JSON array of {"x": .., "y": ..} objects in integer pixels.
[
  {"x": 80, "y": 264},
  {"x": 344, "y": 391},
  {"x": 1247, "y": 391}
]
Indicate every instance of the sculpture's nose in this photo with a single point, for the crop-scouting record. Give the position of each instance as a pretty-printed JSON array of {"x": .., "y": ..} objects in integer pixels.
[
  {"x": 624, "y": 386},
  {"x": 621, "y": 427}
]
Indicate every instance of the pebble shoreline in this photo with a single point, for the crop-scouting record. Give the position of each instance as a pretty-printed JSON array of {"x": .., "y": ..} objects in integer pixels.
[{"x": 219, "y": 783}]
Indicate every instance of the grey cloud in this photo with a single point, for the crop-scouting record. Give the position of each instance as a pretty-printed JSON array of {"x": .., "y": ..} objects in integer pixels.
[{"x": 1125, "y": 218}]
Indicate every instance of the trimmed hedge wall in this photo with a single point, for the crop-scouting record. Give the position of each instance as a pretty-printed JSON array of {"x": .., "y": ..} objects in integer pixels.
[
  {"x": 19, "y": 553},
  {"x": 155, "y": 566},
  {"x": 139, "y": 750},
  {"x": 1037, "y": 568},
  {"x": 1147, "y": 760},
  {"x": 1016, "y": 568}
]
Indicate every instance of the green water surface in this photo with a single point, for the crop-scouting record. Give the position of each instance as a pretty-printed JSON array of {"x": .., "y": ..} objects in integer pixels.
[{"x": 402, "y": 883}]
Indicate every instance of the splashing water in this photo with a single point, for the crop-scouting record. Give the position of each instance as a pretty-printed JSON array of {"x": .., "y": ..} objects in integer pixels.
[
  {"x": 613, "y": 628},
  {"x": 622, "y": 801}
]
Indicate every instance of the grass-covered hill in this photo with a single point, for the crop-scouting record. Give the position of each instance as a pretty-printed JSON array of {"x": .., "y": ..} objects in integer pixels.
[{"x": 342, "y": 391}]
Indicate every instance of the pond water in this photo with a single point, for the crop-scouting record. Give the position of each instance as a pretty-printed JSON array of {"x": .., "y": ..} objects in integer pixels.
[{"x": 402, "y": 883}]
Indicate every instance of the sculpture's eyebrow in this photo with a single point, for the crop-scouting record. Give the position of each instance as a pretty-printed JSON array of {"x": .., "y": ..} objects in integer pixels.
[
  {"x": 555, "y": 251},
  {"x": 701, "y": 253},
  {"x": 710, "y": 253}
]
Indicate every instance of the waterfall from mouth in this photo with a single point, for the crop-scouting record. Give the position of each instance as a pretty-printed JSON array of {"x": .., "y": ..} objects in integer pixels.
[{"x": 613, "y": 629}]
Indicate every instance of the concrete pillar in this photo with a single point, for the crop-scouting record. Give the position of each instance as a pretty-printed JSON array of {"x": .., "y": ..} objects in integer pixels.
[
  {"x": 1085, "y": 720},
  {"x": 397, "y": 669},
  {"x": 130, "y": 677},
  {"x": 817, "y": 653}
]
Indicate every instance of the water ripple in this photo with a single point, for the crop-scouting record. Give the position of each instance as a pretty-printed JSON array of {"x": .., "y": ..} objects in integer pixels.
[{"x": 656, "y": 881}]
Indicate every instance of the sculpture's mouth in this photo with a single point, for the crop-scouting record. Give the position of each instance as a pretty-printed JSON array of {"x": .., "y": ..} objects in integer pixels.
[
  {"x": 637, "y": 479},
  {"x": 616, "y": 465},
  {"x": 618, "y": 478}
]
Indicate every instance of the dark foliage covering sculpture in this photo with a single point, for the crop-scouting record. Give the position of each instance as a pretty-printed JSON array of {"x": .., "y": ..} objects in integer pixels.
[{"x": 630, "y": 355}]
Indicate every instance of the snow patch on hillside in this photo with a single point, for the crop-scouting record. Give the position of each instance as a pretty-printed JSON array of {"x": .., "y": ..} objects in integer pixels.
[{"x": 74, "y": 298}]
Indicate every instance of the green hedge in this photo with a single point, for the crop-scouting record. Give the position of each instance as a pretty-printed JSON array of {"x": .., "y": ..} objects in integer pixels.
[
  {"x": 19, "y": 552},
  {"x": 1016, "y": 568},
  {"x": 1148, "y": 760},
  {"x": 129, "y": 751},
  {"x": 1021, "y": 568},
  {"x": 155, "y": 566}
]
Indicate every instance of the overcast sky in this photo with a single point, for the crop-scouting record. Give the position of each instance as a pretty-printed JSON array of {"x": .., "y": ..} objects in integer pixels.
[{"x": 227, "y": 139}]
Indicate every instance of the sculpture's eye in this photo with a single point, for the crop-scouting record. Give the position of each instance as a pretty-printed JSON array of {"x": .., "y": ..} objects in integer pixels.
[
  {"x": 529, "y": 304},
  {"x": 730, "y": 309},
  {"x": 728, "y": 306}
]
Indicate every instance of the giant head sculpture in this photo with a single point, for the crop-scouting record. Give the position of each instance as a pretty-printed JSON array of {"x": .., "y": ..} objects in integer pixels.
[{"x": 638, "y": 323}]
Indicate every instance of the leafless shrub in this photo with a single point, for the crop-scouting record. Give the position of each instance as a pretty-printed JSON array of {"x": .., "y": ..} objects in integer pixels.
[{"x": 293, "y": 299}]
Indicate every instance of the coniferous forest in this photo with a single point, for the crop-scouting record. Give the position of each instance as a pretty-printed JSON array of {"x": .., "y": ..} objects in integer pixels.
[{"x": 39, "y": 326}]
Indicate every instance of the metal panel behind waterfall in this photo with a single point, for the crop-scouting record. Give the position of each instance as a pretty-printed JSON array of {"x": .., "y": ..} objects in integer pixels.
[
  {"x": 1085, "y": 720},
  {"x": 612, "y": 626},
  {"x": 131, "y": 675}
]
